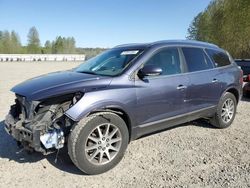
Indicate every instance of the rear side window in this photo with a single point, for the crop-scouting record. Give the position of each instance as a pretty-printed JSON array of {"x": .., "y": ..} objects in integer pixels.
[
  {"x": 220, "y": 59},
  {"x": 196, "y": 59}
]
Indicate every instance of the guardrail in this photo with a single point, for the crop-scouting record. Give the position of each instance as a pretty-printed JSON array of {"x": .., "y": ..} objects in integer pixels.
[{"x": 42, "y": 57}]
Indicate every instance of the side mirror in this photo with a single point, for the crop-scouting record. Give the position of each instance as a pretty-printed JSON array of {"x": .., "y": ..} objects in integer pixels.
[{"x": 149, "y": 70}]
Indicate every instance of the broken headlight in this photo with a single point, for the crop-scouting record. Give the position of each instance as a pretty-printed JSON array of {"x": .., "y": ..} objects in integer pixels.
[{"x": 77, "y": 97}]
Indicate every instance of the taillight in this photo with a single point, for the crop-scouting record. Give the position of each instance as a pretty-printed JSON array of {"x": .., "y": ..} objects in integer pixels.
[{"x": 246, "y": 78}]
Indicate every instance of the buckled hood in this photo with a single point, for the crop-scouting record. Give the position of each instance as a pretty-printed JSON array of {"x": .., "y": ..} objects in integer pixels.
[{"x": 58, "y": 83}]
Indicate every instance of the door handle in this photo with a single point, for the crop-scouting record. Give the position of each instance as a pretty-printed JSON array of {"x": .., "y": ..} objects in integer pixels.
[
  {"x": 181, "y": 87},
  {"x": 215, "y": 80}
]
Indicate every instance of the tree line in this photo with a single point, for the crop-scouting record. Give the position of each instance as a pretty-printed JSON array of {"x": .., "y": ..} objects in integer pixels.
[
  {"x": 10, "y": 43},
  {"x": 225, "y": 23}
]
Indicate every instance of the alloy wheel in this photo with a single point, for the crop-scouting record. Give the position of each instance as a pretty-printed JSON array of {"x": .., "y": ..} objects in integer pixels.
[
  {"x": 227, "y": 110},
  {"x": 103, "y": 144}
]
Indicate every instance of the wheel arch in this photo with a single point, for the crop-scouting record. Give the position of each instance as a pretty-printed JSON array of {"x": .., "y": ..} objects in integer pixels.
[
  {"x": 235, "y": 92},
  {"x": 118, "y": 111}
]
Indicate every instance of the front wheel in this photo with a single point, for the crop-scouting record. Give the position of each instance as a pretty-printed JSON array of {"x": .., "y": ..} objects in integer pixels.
[
  {"x": 226, "y": 111},
  {"x": 98, "y": 142}
]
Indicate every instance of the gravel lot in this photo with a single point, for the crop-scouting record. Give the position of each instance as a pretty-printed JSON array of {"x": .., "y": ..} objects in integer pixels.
[{"x": 190, "y": 155}]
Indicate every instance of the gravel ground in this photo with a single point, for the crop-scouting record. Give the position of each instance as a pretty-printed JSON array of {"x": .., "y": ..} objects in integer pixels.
[{"x": 190, "y": 155}]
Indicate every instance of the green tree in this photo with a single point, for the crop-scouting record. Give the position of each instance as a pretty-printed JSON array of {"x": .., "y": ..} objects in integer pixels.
[
  {"x": 6, "y": 42},
  {"x": 1, "y": 42},
  {"x": 33, "y": 41},
  {"x": 63, "y": 45},
  {"x": 71, "y": 45},
  {"x": 225, "y": 23},
  {"x": 47, "y": 47},
  {"x": 10, "y": 43},
  {"x": 193, "y": 33},
  {"x": 15, "y": 43},
  {"x": 57, "y": 46}
]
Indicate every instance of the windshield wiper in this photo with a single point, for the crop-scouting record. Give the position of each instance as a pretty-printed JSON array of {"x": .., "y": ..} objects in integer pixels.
[
  {"x": 88, "y": 72},
  {"x": 93, "y": 73}
]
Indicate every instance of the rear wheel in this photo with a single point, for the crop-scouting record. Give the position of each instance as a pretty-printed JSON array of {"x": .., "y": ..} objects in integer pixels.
[
  {"x": 226, "y": 111},
  {"x": 98, "y": 142}
]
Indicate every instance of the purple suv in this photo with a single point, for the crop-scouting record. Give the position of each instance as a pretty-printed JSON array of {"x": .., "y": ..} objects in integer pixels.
[{"x": 122, "y": 94}]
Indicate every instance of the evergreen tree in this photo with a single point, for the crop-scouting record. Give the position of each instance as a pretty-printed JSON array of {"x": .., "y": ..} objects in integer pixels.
[
  {"x": 10, "y": 44},
  {"x": 6, "y": 42},
  {"x": 193, "y": 28},
  {"x": 33, "y": 41},
  {"x": 47, "y": 47},
  {"x": 63, "y": 45},
  {"x": 225, "y": 23},
  {"x": 16, "y": 46},
  {"x": 1, "y": 42}
]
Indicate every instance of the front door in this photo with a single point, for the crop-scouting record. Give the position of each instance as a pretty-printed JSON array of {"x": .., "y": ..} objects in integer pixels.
[{"x": 163, "y": 96}]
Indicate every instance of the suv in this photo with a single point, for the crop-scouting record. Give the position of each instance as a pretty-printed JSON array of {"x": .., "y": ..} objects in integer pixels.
[{"x": 122, "y": 94}]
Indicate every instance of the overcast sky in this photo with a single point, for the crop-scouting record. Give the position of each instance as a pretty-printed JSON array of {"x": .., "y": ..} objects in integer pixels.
[{"x": 104, "y": 23}]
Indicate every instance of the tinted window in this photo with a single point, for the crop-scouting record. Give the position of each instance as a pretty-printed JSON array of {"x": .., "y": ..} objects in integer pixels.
[
  {"x": 196, "y": 59},
  {"x": 168, "y": 60},
  {"x": 220, "y": 59}
]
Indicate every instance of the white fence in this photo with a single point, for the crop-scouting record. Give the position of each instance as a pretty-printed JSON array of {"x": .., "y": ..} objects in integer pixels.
[{"x": 42, "y": 57}]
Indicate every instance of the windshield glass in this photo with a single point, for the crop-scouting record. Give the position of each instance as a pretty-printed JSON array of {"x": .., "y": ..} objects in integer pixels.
[{"x": 109, "y": 63}]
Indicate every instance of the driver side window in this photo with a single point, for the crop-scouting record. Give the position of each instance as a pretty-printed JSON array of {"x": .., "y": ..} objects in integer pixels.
[{"x": 168, "y": 60}]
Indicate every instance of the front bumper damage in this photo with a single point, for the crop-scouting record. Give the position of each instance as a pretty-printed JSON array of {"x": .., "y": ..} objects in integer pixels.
[
  {"x": 42, "y": 129},
  {"x": 29, "y": 138}
]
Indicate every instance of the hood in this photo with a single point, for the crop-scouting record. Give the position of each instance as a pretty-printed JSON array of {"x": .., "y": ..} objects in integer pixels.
[{"x": 59, "y": 83}]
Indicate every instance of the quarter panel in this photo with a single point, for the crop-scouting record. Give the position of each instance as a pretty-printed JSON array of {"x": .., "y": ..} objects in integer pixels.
[{"x": 229, "y": 77}]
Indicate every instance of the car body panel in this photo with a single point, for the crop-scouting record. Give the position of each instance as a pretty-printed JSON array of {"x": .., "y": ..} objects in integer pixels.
[
  {"x": 120, "y": 94},
  {"x": 59, "y": 83},
  {"x": 229, "y": 78},
  {"x": 158, "y": 98},
  {"x": 204, "y": 89}
]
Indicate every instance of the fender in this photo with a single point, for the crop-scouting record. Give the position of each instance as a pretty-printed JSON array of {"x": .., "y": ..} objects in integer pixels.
[
  {"x": 235, "y": 88},
  {"x": 93, "y": 101}
]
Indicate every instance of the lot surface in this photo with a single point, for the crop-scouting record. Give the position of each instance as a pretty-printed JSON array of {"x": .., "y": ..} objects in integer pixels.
[{"x": 190, "y": 155}]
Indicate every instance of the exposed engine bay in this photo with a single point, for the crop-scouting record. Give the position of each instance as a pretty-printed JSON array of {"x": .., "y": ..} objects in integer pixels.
[{"x": 41, "y": 126}]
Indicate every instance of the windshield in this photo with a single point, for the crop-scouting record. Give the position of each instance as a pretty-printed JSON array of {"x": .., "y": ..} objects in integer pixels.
[{"x": 109, "y": 63}]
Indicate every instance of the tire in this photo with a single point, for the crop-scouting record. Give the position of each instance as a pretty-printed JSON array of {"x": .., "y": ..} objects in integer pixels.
[
  {"x": 88, "y": 148},
  {"x": 220, "y": 120}
]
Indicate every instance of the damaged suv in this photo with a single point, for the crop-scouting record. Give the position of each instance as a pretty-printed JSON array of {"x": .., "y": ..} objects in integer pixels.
[{"x": 122, "y": 94}]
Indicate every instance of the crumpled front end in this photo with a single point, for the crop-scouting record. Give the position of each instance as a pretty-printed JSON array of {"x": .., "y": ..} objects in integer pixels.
[{"x": 40, "y": 125}]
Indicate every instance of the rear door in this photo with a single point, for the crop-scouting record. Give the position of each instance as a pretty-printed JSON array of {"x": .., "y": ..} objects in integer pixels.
[
  {"x": 225, "y": 70},
  {"x": 160, "y": 97},
  {"x": 204, "y": 88}
]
